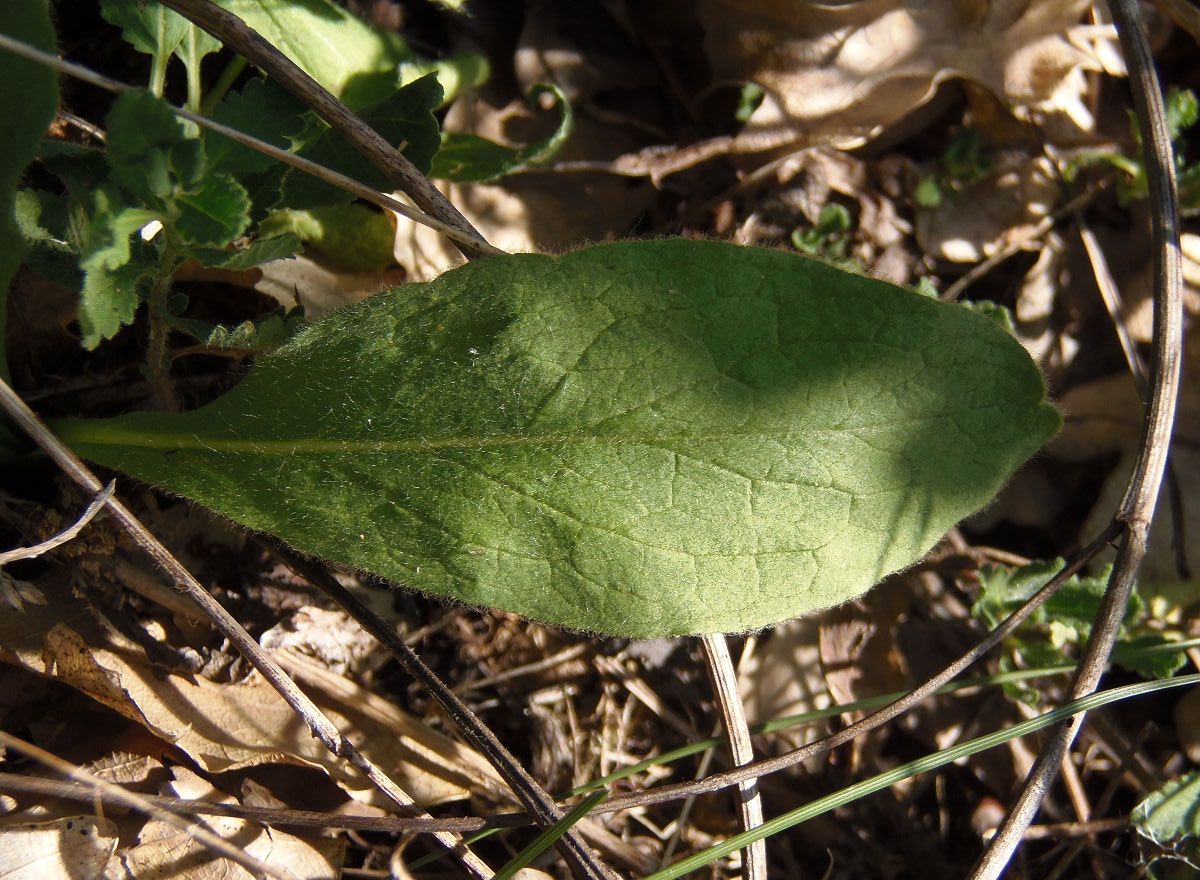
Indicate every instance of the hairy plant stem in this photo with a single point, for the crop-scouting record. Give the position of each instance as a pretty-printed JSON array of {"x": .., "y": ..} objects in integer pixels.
[{"x": 158, "y": 355}]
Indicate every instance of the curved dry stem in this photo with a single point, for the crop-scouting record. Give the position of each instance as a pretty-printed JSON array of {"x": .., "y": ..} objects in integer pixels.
[{"x": 1137, "y": 507}]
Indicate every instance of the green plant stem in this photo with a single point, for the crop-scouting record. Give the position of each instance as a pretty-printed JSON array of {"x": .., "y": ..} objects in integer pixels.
[
  {"x": 195, "y": 90},
  {"x": 158, "y": 355},
  {"x": 223, "y": 84}
]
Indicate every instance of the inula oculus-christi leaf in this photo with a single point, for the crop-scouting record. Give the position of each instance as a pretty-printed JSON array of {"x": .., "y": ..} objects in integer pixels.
[{"x": 638, "y": 439}]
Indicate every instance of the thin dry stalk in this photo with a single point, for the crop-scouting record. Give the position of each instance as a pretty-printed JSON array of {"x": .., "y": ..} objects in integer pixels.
[
  {"x": 533, "y": 797},
  {"x": 84, "y": 792},
  {"x": 733, "y": 717},
  {"x": 1137, "y": 507}
]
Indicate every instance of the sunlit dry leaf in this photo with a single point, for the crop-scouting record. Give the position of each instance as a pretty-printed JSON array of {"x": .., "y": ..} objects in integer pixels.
[
  {"x": 77, "y": 847},
  {"x": 318, "y": 288},
  {"x": 841, "y": 73},
  {"x": 221, "y": 726},
  {"x": 165, "y": 852},
  {"x": 1001, "y": 207}
]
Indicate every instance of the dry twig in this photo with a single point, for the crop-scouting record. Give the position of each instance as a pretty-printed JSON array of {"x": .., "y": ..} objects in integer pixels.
[
  {"x": 1137, "y": 507},
  {"x": 733, "y": 717}
]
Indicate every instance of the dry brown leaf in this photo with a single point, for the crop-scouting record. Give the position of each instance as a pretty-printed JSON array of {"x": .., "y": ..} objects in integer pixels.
[
  {"x": 319, "y": 289},
  {"x": 221, "y": 726},
  {"x": 1002, "y": 207},
  {"x": 165, "y": 852},
  {"x": 78, "y": 847},
  {"x": 840, "y": 73}
]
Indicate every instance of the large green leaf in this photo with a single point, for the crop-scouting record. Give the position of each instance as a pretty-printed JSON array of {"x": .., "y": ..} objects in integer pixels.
[
  {"x": 28, "y": 98},
  {"x": 641, "y": 439}
]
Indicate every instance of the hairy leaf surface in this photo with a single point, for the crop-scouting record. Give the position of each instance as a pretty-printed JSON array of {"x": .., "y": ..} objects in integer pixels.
[{"x": 640, "y": 439}]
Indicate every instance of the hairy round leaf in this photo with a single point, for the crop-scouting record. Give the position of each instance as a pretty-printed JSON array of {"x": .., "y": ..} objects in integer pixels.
[{"x": 638, "y": 439}]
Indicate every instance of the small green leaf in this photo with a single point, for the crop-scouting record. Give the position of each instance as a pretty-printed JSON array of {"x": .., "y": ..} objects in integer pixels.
[
  {"x": 353, "y": 237},
  {"x": 639, "y": 439},
  {"x": 28, "y": 99},
  {"x": 141, "y": 133},
  {"x": 146, "y": 25},
  {"x": 1170, "y": 817},
  {"x": 405, "y": 119},
  {"x": 214, "y": 214},
  {"x": 469, "y": 158},
  {"x": 110, "y": 296},
  {"x": 261, "y": 109},
  {"x": 344, "y": 54}
]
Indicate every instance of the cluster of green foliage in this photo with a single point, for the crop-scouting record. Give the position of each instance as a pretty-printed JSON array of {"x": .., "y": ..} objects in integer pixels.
[
  {"x": 1182, "y": 113},
  {"x": 961, "y": 163},
  {"x": 1063, "y": 624},
  {"x": 162, "y": 193}
]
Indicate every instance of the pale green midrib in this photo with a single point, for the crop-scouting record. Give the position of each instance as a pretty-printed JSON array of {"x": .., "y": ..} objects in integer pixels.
[{"x": 91, "y": 435}]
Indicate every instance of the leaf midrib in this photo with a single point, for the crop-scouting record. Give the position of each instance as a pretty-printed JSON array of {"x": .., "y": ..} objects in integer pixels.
[{"x": 93, "y": 435}]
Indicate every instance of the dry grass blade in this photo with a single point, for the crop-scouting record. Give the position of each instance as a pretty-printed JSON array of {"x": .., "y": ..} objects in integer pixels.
[
  {"x": 117, "y": 794},
  {"x": 724, "y": 681},
  {"x": 16, "y": 783},
  {"x": 89, "y": 513},
  {"x": 237, "y": 35},
  {"x": 341, "y": 181},
  {"x": 320, "y": 725},
  {"x": 1137, "y": 507}
]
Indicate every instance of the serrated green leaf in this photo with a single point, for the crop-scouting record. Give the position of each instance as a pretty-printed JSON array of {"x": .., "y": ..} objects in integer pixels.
[
  {"x": 404, "y": 119},
  {"x": 261, "y": 109},
  {"x": 146, "y": 25},
  {"x": 214, "y": 214},
  {"x": 1170, "y": 817},
  {"x": 109, "y": 297},
  {"x": 652, "y": 438},
  {"x": 142, "y": 131},
  {"x": 344, "y": 54},
  {"x": 28, "y": 98},
  {"x": 1148, "y": 665},
  {"x": 469, "y": 158}
]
